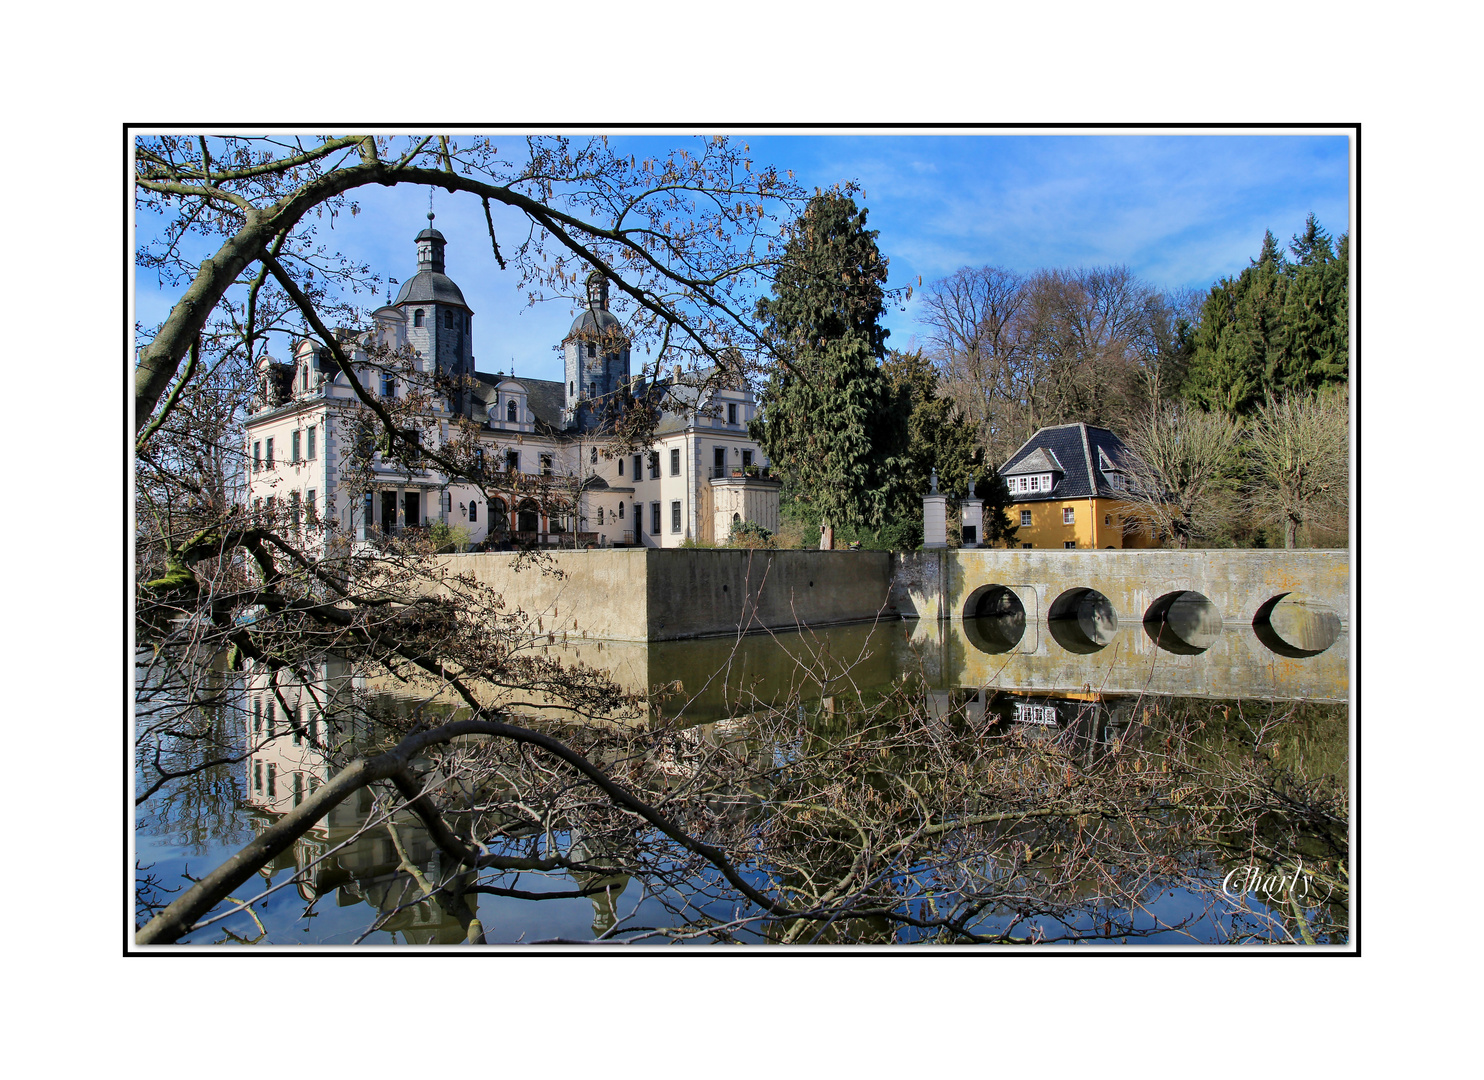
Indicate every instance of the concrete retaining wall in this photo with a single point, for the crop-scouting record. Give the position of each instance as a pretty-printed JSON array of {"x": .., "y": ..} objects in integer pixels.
[{"x": 667, "y": 595}]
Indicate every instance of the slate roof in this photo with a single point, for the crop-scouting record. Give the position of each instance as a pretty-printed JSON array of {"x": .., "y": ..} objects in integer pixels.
[
  {"x": 546, "y": 399},
  {"x": 431, "y": 287},
  {"x": 1083, "y": 454},
  {"x": 1039, "y": 460},
  {"x": 601, "y": 322}
]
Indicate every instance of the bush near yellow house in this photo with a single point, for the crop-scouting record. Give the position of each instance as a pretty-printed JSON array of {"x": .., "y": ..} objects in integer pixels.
[{"x": 1066, "y": 483}]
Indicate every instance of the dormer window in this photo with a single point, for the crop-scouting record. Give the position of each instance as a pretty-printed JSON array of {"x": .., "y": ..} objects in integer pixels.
[
  {"x": 510, "y": 410},
  {"x": 1020, "y": 485},
  {"x": 1117, "y": 481},
  {"x": 417, "y": 317}
]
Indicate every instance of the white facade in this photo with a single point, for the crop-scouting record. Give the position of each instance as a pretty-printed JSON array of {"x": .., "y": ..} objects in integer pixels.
[{"x": 552, "y": 477}]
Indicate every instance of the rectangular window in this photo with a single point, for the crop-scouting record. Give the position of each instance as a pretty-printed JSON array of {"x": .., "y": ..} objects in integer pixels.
[
  {"x": 257, "y": 776},
  {"x": 600, "y": 515},
  {"x": 675, "y": 516},
  {"x": 311, "y": 442},
  {"x": 272, "y": 786},
  {"x": 1035, "y": 483},
  {"x": 1068, "y": 516},
  {"x": 294, "y": 447},
  {"x": 298, "y": 739},
  {"x": 310, "y": 509},
  {"x": 638, "y": 468},
  {"x": 731, "y": 414},
  {"x": 270, "y": 453},
  {"x": 654, "y": 518},
  {"x": 479, "y": 460},
  {"x": 388, "y": 386},
  {"x": 257, "y": 456},
  {"x": 546, "y": 464},
  {"x": 654, "y": 466},
  {"x": 1046, "y": 482},
  {"x": 675, "y": 462},
  {"x": 294, "y": 509},
  {"x": 719, "y": 461},
  {"x": 1025, "y": 518},
  {"x": 512, "y": 461},
  {"x": 1107, "y": 519},
  {"x": 298, "y": 788},
  {"x": 746, "y": 458},
  {"x": 1069, "y": 544},
  {"x": 257, "y": 713},
  {"x": 272, "y": 717},
  {"x": 1025, "y": 547}
]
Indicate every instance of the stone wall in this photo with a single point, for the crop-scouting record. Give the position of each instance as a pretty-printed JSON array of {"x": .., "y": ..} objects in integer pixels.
[{"x": 666, "y": 595}]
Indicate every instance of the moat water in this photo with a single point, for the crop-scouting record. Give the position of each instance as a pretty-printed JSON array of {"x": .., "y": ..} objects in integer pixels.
[{"x": 348, "y": 882}]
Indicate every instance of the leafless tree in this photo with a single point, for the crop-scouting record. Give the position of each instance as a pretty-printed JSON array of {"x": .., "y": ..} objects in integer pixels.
[
  {"x": 1020, "y": 353},
  {"x": 1298, "y": 448},
  {"x": 1181, "y": 464}
]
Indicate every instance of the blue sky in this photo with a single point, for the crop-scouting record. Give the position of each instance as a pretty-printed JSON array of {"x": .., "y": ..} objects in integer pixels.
[{"x": 1180, "y": 210}]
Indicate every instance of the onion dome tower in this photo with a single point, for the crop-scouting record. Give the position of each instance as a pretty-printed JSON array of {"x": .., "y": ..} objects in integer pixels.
[
  {"x": 439, "y": 322},
  {"x": 597, "y": 356}
]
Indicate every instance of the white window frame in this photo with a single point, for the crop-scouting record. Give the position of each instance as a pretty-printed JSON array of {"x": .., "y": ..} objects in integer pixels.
[
  {"x": 1025, "y": 519},
  {"x": 1068, "y": 515},
  {"x": 675, "y": 516}
]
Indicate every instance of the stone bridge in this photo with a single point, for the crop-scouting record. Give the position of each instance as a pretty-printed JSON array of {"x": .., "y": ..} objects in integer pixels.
[{"x": 1296, "y": 600}]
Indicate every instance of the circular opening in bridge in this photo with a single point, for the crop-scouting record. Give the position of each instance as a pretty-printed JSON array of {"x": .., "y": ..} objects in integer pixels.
[
  {"x": 1082, "y": 620},
  {"x": 994, "y": 619},
  {"x": 1296, "y": 626},
  {"x": 1185, "y": 623}
]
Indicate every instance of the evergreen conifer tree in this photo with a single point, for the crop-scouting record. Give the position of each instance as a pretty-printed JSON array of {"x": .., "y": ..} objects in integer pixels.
[{"x": 830, "y": 421}]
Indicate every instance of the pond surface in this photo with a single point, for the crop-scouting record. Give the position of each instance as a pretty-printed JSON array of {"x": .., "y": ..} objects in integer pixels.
[{"x": 1086, "y": 688}]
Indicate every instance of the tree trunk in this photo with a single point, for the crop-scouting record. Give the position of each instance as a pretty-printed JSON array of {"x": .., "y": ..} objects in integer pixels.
[
  {"x": 1290, "y": 533},
  {"x": 826, "y": 538}
]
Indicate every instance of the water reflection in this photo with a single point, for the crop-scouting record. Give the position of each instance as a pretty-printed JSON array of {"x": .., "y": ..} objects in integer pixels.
[
  {"x": 1297, "y": 627},
  {"x": 1185, "y": 623},
  {"x": 369, "y": 868},
  {"x": 1082, "y": 621}
]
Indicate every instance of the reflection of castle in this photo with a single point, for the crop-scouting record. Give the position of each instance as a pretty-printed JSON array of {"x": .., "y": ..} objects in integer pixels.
[{"x": 296, "y": 731}]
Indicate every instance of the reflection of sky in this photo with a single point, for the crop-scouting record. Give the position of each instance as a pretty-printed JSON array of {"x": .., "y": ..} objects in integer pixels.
[{"x": 1179, "y": 210}]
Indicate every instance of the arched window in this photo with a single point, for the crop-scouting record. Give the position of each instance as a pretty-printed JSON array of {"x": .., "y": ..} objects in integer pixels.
[
  {"x": 594, "y": 456},
  {"x": 600, "y": 515},
  {"x": 510, "y": 410},
  {"x": 417, "y": 317},
  {"x": 473, "y": 511},
  {"x": 620, "y": 511},
  {"x": 448, "y": 320}
]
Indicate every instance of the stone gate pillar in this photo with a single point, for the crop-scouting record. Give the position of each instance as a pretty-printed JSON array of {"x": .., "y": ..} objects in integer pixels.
[
  {"x": 934, "y": 517},
  {"x": 971, "y": 521}
]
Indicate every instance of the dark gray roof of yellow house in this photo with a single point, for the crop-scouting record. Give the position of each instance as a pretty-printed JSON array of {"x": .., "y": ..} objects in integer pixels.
[{"x": 1082, "y": 456}]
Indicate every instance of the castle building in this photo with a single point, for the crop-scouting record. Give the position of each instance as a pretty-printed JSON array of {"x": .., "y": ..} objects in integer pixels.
[{"x": 553, "y": 476}]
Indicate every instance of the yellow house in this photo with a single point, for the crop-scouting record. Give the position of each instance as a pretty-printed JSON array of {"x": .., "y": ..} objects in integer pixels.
[{"x": 1065, "y": 483}]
